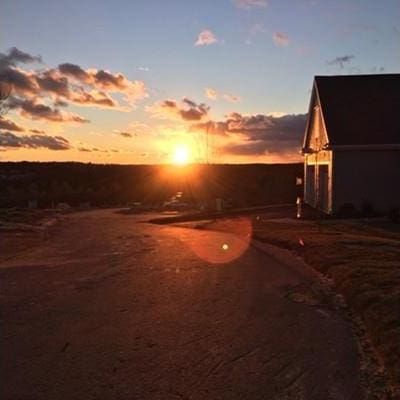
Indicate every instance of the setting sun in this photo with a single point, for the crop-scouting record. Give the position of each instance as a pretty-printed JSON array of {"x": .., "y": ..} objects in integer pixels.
[{"x": 181, "y": 155}]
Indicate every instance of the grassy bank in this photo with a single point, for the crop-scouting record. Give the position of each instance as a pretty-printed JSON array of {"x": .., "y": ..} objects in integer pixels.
[{"x": 363, "y": 259}]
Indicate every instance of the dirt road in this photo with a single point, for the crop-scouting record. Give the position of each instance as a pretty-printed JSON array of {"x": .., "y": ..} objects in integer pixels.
[{"x": 108, "y": 307}]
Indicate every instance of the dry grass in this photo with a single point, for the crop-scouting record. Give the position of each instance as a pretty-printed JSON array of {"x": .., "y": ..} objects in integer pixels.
[
  {"x": 363, "y": 259},
  {"x": 20, "y": 230}
]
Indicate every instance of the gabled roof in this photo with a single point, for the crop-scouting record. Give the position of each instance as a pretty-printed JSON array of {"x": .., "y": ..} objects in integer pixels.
[{"x": 360, "y": 109}]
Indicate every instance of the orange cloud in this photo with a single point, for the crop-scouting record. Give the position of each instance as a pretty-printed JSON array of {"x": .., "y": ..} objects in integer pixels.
[
  {"x": 280, "y": 39},
  {"x": 58, "y": 87},
  {"x": 231, "y": 98},
  {"x": 211, "y": 93},
  {"x": 105, "y": 80},
  {"x": 205, "y": 38}
]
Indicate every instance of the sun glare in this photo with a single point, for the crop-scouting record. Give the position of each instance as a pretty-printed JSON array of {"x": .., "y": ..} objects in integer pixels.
[{"x": 181, "y": 155}]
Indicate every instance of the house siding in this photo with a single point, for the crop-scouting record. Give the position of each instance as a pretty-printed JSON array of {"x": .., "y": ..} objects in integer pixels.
[
  {"x": 318, "y": 163},
  {"x": 366, "y": 176},
  {"x": 318, "y": 181}
]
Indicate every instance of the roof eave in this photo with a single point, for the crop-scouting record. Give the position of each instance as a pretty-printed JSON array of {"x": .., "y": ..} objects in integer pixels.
[{"x": 362, "y": 147}]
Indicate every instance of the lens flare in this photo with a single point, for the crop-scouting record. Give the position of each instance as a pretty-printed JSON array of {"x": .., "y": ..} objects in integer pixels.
[{"x": 221, "y": 247}]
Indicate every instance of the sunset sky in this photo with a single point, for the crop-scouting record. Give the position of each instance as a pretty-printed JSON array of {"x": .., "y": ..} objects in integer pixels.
[{"x": 131, "y": 81}]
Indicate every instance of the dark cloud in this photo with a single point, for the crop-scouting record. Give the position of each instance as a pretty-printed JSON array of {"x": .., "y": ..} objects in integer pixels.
[
  {"x": 108, "y": 80},
  {"x": 263, "y": 127},
  {"x": 341, "y": 60},
  {"x": 103, "y": 80},
  {"x": 260, "y": 134},
  {"x": 57, "y": 87},
  {"x": 189, "y": 103},
  {"x": 38, "y": 131},
  {"x": 75, "y": 71},
  {"x": 60, "y": 103},
  {"x": 97, "y": 98},
  {"x": 266, "y": 134},
  {"x": 193, "y": 111},
  {"x": 125, "y": 134},
  {"x": 246, "y": 149},
  {"x": 51, "y": 83},
  {"x": 219, "y": 128},
  {"x": 22, "y": 82},
  {"x": 188, "y": 110},
  {"x": 32, "y": 109},
  {"x": 15, "y": 56},
  {"x": 86, "y": 149},
  {"x": 8, "y": 139},
  {"x": 48, "y": 81},
  {"x": 9, "y": 125}
]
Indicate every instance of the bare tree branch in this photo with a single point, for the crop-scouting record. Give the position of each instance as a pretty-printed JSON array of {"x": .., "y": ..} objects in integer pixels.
[{"x": 5, "y": 91}]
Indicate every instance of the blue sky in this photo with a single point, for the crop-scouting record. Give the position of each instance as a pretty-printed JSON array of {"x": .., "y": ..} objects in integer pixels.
[{"x": 260, "y": 61}]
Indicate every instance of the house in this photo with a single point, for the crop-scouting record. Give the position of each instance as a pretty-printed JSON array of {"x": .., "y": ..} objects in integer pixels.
[{"x": 351, "y": 144}]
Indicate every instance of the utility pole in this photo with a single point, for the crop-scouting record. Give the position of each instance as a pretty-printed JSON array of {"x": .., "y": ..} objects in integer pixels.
[{"x": 207, "y": 132}]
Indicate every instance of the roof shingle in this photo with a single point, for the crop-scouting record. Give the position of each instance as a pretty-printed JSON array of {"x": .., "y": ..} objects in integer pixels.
[{"x": 360, "y": 109}]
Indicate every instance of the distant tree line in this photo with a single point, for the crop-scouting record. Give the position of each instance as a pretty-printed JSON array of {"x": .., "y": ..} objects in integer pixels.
[{"x": 118, "y": 185}]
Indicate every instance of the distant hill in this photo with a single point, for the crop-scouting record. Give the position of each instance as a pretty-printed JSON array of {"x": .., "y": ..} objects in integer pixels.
[{"x": 115, "y": 185}]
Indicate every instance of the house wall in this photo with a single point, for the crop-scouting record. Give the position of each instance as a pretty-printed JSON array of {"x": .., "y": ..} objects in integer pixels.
[
  {"x": 316, "y": 136},
  {"x": 318, "y": 163},
  {"x": 371, "y": 176},
  {"x": 318, "y": 180}
]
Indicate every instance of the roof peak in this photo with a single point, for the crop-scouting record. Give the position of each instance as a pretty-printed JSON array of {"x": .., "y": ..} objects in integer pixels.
[{"x": 360, "y": 109}]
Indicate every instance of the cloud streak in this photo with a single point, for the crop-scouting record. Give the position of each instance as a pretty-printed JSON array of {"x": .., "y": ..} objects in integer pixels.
[
  {"x": 125, "y": 134},
  {"x": 341, "y": 60},
  {"x": 10, "y": 140},
  {"x": 231, "y": 98},
  {"x": 248, "y": 4},
  {"x": 34, "y": 110},
  {"x": 7, "y": 124},
  {"x": 213, "y": 94}
]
